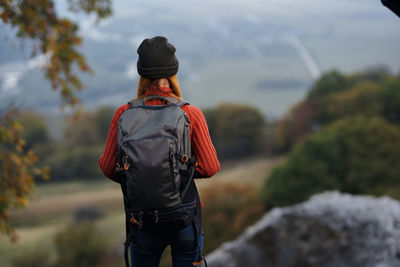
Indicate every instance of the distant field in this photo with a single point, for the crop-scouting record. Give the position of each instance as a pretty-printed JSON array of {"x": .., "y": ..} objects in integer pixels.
[{"x": 55, "y": 205}]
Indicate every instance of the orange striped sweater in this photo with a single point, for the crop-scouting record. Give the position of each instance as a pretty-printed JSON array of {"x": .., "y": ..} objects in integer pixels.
[{"x": 202, "y": 148}]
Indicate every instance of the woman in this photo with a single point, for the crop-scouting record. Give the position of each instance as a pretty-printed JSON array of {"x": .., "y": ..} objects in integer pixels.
[{"x": 157, "y": 67}]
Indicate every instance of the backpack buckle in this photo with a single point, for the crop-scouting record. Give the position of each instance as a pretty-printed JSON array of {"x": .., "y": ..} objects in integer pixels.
[
  {"x": 134, "y": 221},
  {"x": 184, "y": 158},
  {"x": 118, "y": 167},
  {"x": 126, "y": 163}
]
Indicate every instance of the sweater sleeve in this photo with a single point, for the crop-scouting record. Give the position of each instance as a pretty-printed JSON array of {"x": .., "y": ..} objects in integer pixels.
[
  {"x": 202, "y": 148},
  {"x": 109, "y": 157}
]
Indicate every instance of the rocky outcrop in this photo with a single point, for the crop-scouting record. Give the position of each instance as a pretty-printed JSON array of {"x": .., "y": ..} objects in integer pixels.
[{"x": 331, "y": 229}]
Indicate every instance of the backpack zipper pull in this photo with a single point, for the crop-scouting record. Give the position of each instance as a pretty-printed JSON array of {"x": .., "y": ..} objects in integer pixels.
[
  {"x": 126, "y": 163},
  {"x": 156, "y": 215},
  {"x": 141, "y": 217}
]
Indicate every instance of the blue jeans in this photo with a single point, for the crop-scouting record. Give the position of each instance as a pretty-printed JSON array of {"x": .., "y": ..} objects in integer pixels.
[{"x": 148, "y": 247}]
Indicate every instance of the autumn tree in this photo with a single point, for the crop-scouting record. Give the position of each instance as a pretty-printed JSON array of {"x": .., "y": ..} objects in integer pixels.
[
  {"x": 57, "y": 38},
  {"x": 17, "y": 169},
  {"x": 374, "y": 92}
]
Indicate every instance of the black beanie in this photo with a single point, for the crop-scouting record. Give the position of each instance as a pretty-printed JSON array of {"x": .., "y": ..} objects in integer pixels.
[{"x": 157, "y": 58}]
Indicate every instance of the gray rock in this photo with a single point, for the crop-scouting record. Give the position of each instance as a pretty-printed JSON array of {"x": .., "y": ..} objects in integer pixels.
[{"x": 329, "y": 230}]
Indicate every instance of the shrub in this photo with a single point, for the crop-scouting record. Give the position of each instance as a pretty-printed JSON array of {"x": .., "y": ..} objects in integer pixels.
[
  {"x": 37, "y": 257},
  {"x": 236, "y": 130},
  {"x": 329, "y": 82},
  {"x": 77, "y": 162},
  {"x": 228, "y": 210},
  {"x": 103, "y": 117},
  {"x": 34, "y": 128},
  {"x": 371, "y": 93},
  {"x": 80, "y": 245},
  {"x": 357, "y": 155},
  {"x": 88, "y": 214}
]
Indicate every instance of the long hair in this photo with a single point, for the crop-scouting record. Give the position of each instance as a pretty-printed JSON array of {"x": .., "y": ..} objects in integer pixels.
[{"x": 145, "y": 83}]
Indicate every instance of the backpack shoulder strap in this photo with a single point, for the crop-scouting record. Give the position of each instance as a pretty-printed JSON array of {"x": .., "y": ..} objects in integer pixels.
[
  {"x": 136, "y": 103},
  {"x": 182, "y": 103},
  {"x": 169, "y": 100}
]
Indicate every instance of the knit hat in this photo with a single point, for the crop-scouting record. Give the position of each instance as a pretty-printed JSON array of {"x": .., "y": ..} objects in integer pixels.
[{"x": 157, "y": 58}]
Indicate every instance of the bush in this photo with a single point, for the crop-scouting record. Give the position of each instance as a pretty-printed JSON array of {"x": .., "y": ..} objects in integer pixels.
[
  {"x": 292, "y": 128},
  {"x": 357, "y": 155},
  {"x": 329, "y": 82},
  {"x": 80, "y": 245},
  {"x": 34, "y": 128},
  {"x": 82, "y": 131},
  {"x": 87, "y": 214},
  {"x": 236, "y": 130},
  {"x": 37, "y": 257},
  {"x": 78, "y": 162},
  {"x": 229, "y": 209},
  {"x": 371, "y": 93},
  {"x": 103, "y": 117}
]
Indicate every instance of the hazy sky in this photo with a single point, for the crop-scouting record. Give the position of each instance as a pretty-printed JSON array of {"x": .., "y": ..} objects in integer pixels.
[{"x": 281, "y": 43}]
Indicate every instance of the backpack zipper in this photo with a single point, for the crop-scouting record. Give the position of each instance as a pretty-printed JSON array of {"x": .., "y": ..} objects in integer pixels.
[{"x": 171, "y": 168}]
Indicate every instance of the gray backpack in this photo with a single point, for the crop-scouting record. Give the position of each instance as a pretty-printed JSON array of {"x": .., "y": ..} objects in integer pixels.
[{"x": 155, "y": 166}]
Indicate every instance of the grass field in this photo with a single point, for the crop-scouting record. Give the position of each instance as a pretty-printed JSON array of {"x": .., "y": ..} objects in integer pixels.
[{"x": 55, "y": 204}]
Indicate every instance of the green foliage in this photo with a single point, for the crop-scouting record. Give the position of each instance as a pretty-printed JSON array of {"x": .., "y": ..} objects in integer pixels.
[
  {"x": 35, "y": 129},
  {"x": 17, "y": 169},
  {"x": 375, "y": 92},
  {"x": 76, "y": 157},
  {"x": 362, "y": 99},
  {"x": 357, "y": 155},
  {"x": 391, "y": 100},
  {"x": 236, "y": 130},
  {"x": 37, "y": 257},
  {"x": 328, "y": 83},
  {"x": 80, "y": 245},
  {"x": 90, "y": 128},
  {"x": 293, "y": 127},
  {"x": 82, "y": 131},
  {"x": 373, "y": 75},
  {"x": 228, "y": 210},
  {"x": 103, "y": 117},
  {"x": 77, "y": 162}
]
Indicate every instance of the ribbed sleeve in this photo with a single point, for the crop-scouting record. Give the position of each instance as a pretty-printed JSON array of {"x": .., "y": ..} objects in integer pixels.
[
  {"x": 109, "y": 158},
  {"x": 202, "y": 148}
]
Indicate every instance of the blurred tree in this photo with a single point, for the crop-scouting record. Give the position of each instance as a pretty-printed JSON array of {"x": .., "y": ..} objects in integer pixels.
[
  {"x": 292, "y": 128},
  {"x": 391, "y": 99},
  {"x": 77, "y": 162},
  {"x": 57, "y": 39},
  {"x": 35, "y": 129},
  {"x": 82, "y": 131},
  {"x": 329, "y": 82},
  {"x": 375, "y": 75},
  {"x": 103, "y": 117},
  {"x": 236, "y": 130},
  {"x": 357, "y": 155},
  {"x": 17, "y": 168},
  {"x": 363, "y": 99},
  {"x": 374, "y": 92}
]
